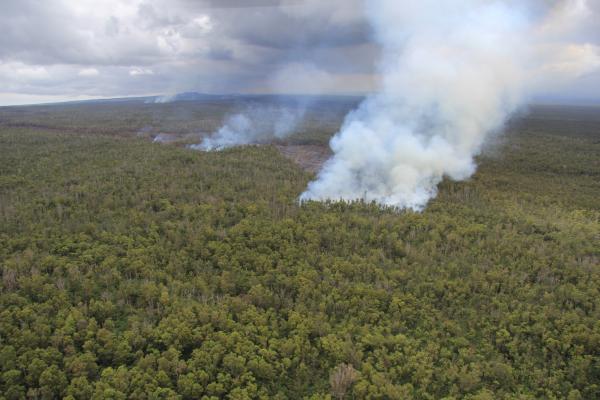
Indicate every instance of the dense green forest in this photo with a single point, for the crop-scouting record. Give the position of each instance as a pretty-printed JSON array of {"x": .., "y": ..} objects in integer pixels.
[{"x": 132, "y": 270}]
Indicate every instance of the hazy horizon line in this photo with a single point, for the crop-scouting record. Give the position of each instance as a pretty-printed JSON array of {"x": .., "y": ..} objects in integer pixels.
[{"x": 538, "y": 100}]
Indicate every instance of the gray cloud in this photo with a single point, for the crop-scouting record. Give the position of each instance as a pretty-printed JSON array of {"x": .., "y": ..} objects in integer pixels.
[
  {"x": 312, "y": 24},
  {"x": 74, "y": 48},
  {"x": 154, "y": 46}
]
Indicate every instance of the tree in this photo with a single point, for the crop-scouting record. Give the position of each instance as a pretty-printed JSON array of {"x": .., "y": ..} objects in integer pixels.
[{"x": 341, "y": 379}]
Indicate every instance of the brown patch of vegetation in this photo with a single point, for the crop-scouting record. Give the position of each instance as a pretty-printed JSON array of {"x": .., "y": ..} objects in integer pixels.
[{"x": 309, "y": 157}]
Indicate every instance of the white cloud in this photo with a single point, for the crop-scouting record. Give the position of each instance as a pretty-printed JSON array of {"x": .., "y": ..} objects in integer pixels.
[
  {"x": 32, "y": 72},
  {"x": 138, "y": 71},
  {"x": 88, "y": 72},
  {"x": 574, "y": 60},
  {"x": 203, "y": 23}
]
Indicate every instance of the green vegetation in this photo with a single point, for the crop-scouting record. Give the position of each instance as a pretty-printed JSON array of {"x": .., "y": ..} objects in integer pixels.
[
  {"x": 138, "y": 118},
  {"x": 140, "y": 271}
]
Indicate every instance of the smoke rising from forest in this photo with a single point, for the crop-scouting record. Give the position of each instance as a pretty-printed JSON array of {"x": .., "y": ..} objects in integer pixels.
[
  {"x": 451, "y": 74},
  {"x": 256, "y": 124}
]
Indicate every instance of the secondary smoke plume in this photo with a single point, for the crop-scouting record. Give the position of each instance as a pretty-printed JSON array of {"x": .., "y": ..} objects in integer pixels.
[
  {"x": 257, "y": 124},
  {"x": 451, "y": 74}
]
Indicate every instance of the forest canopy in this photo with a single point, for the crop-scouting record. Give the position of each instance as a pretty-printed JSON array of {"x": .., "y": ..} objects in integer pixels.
[{"x": 132, "y": 270}]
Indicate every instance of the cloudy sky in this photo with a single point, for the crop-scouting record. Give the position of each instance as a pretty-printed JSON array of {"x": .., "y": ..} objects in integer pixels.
[{"x": 53, "y": 50}]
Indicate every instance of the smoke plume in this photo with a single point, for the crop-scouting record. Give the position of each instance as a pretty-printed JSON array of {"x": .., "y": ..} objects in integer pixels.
[
  {"x": 451, "y": 73},
  {"x": 256, "y": 124}
]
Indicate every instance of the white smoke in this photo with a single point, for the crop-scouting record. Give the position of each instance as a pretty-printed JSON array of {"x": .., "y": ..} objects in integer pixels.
[
  {"x": 451, "y": 74},
  {"x": 162, "y": 99},
  {"x": 257, "y": 124},
  {"x": 274, "y": 118}
]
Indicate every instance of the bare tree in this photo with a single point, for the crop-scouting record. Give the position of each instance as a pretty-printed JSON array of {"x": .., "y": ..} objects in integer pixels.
[{"x": 342, "y": 377}]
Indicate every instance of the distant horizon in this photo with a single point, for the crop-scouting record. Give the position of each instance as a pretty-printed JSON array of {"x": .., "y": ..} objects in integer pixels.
[
  {"x": 79, "y": 99},
  {"x": 540, "y": 100}
]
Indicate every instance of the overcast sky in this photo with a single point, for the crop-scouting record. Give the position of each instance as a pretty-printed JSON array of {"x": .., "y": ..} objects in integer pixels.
[{"x": 53, "y": 50}]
